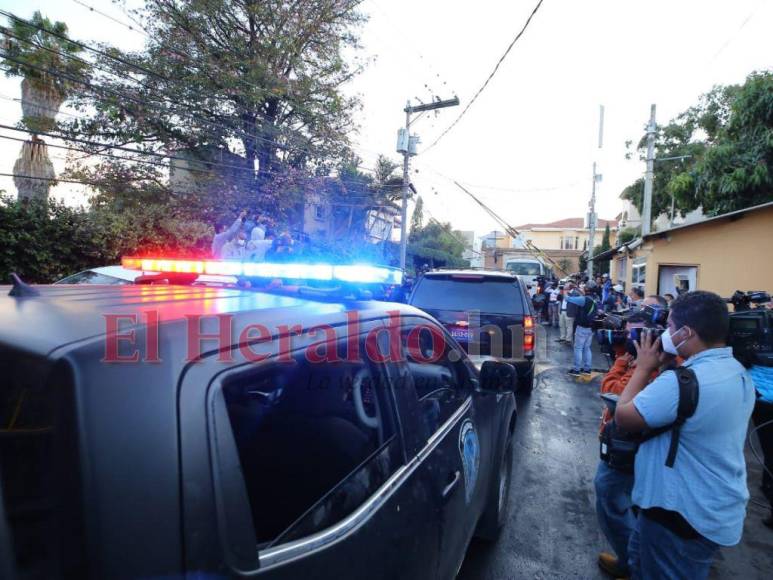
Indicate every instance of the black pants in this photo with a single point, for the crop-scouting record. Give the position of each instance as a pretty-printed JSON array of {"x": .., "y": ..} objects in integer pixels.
[{"x": 763, "y": 412}]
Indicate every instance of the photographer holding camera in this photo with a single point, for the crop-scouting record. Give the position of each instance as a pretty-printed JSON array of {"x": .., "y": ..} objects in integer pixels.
[
  {"x": 613, "y": 484},
  {"x": 690, "y": 481}
]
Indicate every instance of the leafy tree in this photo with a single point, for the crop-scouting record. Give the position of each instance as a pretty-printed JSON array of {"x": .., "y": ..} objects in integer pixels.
[
  {"x": 605, "y": 239},
  {"x": 736, "y": 171},
  {"x": 725, "y": 146},
  {"x": 259, "y": 79},
  {"x": 626, "y": 235},
  {"x": 602, "y": 266},
  {"x": 30, "y": 52},
  {"x": 44, "y": 241},
  {"x": 437, "y": 245},
  {"x": 417, "y": 219}
]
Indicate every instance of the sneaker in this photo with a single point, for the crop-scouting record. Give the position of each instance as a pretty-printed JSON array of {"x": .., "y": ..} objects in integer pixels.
[
  {"x": 611, "y": 565},
  {"x": 586, "y": 371},
  {"x": 574, "y": 372},
  {"x": 559, "y": 340}
]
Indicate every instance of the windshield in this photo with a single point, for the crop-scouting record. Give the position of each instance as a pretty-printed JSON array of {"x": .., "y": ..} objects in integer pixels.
[
  {"x": 525, "y": 268},
  {"x": 492, "y": 295},
  {"x": 91, "y": 277}
]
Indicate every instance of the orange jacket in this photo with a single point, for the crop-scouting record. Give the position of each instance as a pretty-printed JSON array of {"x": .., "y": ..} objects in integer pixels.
[
  {"x": 617, "y": 378},
  {"x": 615, "y": 381}
]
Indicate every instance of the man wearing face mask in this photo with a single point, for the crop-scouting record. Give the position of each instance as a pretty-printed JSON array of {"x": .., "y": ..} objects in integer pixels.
[
  {"x": 236, "y": 249},
  {"x": 689, "y": 510},
  {"x": 614, "y": 506}
]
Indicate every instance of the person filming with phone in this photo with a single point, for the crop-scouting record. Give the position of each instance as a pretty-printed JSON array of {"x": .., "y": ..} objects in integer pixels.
[{"x": 690, "y": 479}]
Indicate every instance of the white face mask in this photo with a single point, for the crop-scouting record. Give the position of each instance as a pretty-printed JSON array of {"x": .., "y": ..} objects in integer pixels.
[{"x": 668, "y": 342}]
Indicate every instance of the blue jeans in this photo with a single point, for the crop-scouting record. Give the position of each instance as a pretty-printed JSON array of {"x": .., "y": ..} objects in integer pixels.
[
  {"x": 582, "y": 340},
  {"x": 656, "y": 552},
  {"x": 614, "y": 509}
]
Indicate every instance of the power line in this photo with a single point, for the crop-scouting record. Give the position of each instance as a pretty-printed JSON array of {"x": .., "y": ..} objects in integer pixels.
[
  {"x": 154, "y": 74},
  {"x": 502, "y": 188},
  {"x": 124, "y": 24},
  {"x": 488, "y": 80},
  {"x": 120, "y": 94},
  {"x": 209, "y": 164},
  {"x": 175, "y": 192},
  {"x": 529, "y": 245},
  {"x": 38, "y": 105}
]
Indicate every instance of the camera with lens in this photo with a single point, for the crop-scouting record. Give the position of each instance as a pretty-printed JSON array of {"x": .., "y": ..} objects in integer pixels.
[
  {"x": 751, "y": 328},
  {"x": 611, "y": 329}
]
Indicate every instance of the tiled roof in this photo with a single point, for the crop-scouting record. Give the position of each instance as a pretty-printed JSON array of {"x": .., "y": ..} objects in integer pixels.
[{"x": 568, "y": 223}]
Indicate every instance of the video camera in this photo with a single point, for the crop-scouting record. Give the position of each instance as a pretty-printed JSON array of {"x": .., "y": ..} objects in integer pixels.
[
  {"x": 751, "y": 328},
  {"x": 610, "y": 329}
]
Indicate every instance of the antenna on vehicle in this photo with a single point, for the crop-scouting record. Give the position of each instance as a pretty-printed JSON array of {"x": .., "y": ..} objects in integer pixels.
[{"x": 20, "y": 288}]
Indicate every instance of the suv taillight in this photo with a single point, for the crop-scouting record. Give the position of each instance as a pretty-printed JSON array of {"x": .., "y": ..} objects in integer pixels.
[{"x": 528, "y": 335}]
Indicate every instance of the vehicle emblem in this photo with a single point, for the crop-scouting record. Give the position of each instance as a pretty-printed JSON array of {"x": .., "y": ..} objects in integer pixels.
[{"x": 469, "y": 449}]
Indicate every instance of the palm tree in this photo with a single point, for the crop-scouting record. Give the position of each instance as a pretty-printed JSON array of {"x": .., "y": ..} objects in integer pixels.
[{"x": 39, "y": 52}]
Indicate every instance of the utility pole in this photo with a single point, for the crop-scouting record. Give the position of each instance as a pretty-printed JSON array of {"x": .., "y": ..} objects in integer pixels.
[
  {"x": 592, "y": 206},
  {"x": 646, "y": 213},
  {"x": 592, "y": 222},
  {"x": 406, "y": 144}
]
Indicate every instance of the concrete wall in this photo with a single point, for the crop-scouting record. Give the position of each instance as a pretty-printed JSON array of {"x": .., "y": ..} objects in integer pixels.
[
  {"x": 550, "y": 238},
  {"x": 730, "y": 254}
]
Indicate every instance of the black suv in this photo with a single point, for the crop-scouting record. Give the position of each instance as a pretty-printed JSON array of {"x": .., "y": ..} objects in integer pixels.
[
  {"x": 489, "y": 313},
  {"x": 170, "y": 431}
]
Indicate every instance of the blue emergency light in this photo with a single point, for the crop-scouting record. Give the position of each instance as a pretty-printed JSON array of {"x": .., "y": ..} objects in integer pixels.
[{"x": 347, "y": 273}]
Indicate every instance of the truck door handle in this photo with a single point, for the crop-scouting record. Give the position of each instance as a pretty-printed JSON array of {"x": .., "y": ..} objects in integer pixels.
[{"x": 451, "y": 485}]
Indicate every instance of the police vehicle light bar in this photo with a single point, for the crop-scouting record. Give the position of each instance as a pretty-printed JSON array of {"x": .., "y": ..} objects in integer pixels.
[{"x": 349, "y": 273}]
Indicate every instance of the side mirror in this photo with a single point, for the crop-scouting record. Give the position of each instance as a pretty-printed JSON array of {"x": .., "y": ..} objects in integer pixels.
[{"x": 497, "y": 376}]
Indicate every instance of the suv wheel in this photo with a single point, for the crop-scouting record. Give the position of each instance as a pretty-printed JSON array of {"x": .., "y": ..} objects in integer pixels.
[{"x": 497, "y": 508}]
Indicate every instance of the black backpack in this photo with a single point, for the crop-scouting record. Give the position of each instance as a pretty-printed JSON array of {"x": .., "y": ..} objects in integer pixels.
[
  {"x": 586, "y": 313},
  {"x": 618, "y": 448}
]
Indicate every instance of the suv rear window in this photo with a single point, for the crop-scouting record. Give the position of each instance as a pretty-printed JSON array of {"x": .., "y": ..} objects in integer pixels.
[{"x": 468, "y": 292}]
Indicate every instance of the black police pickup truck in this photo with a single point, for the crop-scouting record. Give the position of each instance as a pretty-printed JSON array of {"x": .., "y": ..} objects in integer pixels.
[
  {"x": 178, "y": 431},
  {"x": 488, "y": 312}
]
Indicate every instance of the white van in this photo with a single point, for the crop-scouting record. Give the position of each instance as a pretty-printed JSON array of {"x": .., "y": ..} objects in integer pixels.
[{"x": 527, "y": 269}]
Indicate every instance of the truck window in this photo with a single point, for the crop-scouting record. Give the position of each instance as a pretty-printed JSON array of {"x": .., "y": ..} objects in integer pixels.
[
  {"x": 467, "y": 293},
  {"x": 314, "y": 442},
  {"x": 440, "y": 377},
  {"x": 524, "y": 268},
  {"x": 39, "y": 468}
]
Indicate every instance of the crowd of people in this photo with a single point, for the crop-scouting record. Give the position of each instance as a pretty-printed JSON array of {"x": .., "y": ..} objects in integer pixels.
[
  {"x": 675, "y": 499},
  {"x": 252, "y": 237},
  {"x": 683, "y": 494}
]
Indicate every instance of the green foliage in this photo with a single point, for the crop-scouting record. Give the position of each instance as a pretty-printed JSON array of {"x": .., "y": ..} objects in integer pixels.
[
  {"x": 602, "y": 266},
  {"x": 417, "y": 218},
  {"x": 261, "y": 81},
  {"x": 626, "y": 235},
  {"x": 728, "y": 137},
  {"x": 28, "y": 50},
  {"x": 43, "y": 242},
  {"x": 605, "y": 239},
  {"x": 438, "y": 245},
  {"x": 354, "y": 193}
]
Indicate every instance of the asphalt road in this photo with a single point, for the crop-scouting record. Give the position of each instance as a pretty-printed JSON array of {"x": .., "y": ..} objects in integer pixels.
[{"x": 552, "y": 531}]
